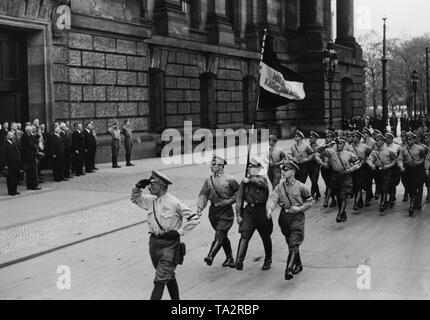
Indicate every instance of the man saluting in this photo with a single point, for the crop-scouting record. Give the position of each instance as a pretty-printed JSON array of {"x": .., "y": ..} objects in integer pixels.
[{"x": 168, "y": 219}]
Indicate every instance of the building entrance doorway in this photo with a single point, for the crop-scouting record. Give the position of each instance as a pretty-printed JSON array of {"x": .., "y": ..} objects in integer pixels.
[{"x": 13, "y": 76}]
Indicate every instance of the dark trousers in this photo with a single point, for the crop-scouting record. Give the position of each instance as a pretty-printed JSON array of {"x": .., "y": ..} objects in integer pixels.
[
  {"x": 115, "y": 150},
  {"x": 12, "y": 180},
  {"x": 89, "y": 160},
  {"x": 31, "y": 175},
  {"x": 293, "y": 228},
  {"x": 67, "y": 160},
  {"x": 128, "y": 149},
  {"x": 78, "y": 162},
  {"x": 303, "y": 172},
  {"x": 314, "y": 175},
  {"x": 58, "y": 168}
]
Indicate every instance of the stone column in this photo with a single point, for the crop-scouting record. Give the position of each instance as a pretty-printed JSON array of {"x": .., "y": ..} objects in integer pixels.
[
  {"x": 345, "y": 22},
  {"x": 170, "y": 20},
  {"x": 218, "y": 25},
  {"x": 291, "y": 15},
  {"x": 328, "y": 19},
  {"x": 312, "y": 15},
  {"x": 256, "y": 22}
]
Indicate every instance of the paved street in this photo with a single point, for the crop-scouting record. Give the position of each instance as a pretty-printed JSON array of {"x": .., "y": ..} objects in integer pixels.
[{"x": 89, "y": 225}]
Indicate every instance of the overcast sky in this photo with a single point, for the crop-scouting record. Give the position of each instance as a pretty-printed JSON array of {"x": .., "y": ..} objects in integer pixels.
[{"x": 406, "y": 18}]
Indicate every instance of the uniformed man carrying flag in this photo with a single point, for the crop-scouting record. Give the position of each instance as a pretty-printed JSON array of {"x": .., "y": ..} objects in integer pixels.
[
  {"x": 255, "y": 191},
  {"x": 168, "y": 220},
  {"x": 294, "y": 199},
  {"x": 221, "y": 190}
]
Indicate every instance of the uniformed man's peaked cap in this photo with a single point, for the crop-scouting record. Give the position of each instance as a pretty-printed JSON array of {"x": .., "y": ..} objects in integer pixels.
[
  {"x": 273, "y": 137},
  {"x": 330, "y": 133},
  {"x": 357, "y": 134},
  {"x": 289, "y": 165},
  {"x": 300, "y": 134},
  {"x": 254, "y": 163},
  {"x": 366, "y": 130},
  {"x": 160, "y": 178},
  {"x": 389, "y": 134},
  {"x": 314, "y": 134},
  {"x": 218, "y": 160}
]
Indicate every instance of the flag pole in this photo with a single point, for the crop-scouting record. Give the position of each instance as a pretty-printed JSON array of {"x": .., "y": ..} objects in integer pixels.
[{"x": 263, "y": 46}]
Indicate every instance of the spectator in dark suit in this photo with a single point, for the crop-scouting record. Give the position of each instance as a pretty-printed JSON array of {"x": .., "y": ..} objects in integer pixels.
[
  {"x": 90, "y": 148},
  {"x": 58, "y": 150},
  {"x": 78, "y": 147},
  {"x": 66, "y": 136},
  {"x": 12, "y": 161},
  {"x": 29, "y": 149}
]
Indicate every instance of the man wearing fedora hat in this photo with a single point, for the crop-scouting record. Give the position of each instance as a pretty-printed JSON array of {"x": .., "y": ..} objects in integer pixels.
[
  {"x": 221, "y": 190},
  {"x": 168, "y": 220},
  {"x": 275, "y": 157},
  {"x": 411, "y": 162},
  {"x": 359, "y": 177},
  {"x": 301, "y": 153},
  {"x": 343, "y": 164},
  {"x": 294, "y": 199},
  {"x": 254, "y": 190},
  {"x": 382, "y": 160}
]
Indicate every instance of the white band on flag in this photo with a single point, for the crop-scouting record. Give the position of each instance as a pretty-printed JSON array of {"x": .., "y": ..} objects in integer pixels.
[{"x": 274, "y": 82}]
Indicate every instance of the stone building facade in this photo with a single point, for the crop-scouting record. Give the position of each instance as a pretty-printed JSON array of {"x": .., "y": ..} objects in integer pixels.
[{"x": 161, "y": 62}]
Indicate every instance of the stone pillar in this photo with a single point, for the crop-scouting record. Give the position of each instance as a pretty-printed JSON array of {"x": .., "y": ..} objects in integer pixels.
[
  {"x": 291, "y": 15},
  {"x": 328, "y": 19},
  {"x": 218, "y": 25},
  {"x": 345, "y": 22},
  {"x": 170, "y": 20},
  {"x": 257, "y": 21},
  {"x": 312, "y": 15}
]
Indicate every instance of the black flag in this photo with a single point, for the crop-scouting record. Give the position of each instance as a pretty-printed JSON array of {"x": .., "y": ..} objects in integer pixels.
[{"x": 279, "y": 85}]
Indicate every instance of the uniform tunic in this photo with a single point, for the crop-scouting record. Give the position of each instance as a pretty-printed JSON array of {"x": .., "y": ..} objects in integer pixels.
[
  {"x": 287, "y": 195},
  {"x": 219, "y": 189},
  {"x": 302, "y": 153},
  {"x": 128, "y": 134},
  {"x": 394, "y": 147},
  {"x": 115, "y": 144},
  {"x": 383, "y": 160},
  {"x": 274, "y": 172},
  {"x": 361, "y": 176},
  {"x": 314, "y": 170},
  {"x": 343, "y": 164},
  {"x": 172, "y": 214},
  {"x": 255, "y": 193},
  {"x": 412, "y": 160}
]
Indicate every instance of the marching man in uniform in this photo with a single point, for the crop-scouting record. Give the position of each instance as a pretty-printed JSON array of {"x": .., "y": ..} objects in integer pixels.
[
  {"x": 221, "y": 190},
  {"x": 343, "y": 164},
  {"x": 382, "y": 160},
  {"x": 168, "y": 220},
  {"x": 411, "y": 162},
  {"x": 255, "y": 191},
  {"x": 302, "y": 154},
  {"x": 314, "y": 166},
  {"x": 327, "y": 172},
  {"x": 276, "y": 156},
  {"x": 395, "y": 148},
  {"x": 294, "y": 199}
]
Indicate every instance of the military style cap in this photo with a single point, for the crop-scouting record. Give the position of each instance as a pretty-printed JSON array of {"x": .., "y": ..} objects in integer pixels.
[
  {"x": 300, "y": 134},
  {"x": 341, "y": 140},
  {"x": 377, "y": 132},
  {"x": 273, "y": 137},
  {"x": 357, "y": 134},
  {"x": 330, "y": 133},
  {"x": 379, "y": 136},
  {"x": 389, "y": 134},
  {"x": 366, "y": 130},
  {"x": 412, "y": 135},
  {"x": 254, "y": 163},
  {"x": 160, "y": 178},
  {"x": 314, "y": 134},
  {"x": 218, "y": 160},
  {"x": 289, "y": 165},
  {"x": 403, "y": 133}
]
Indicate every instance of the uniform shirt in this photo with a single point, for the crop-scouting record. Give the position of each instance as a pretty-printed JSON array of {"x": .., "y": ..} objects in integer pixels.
[
  {"x": 298, "y": 195},
  {"x": 301, "y": 152},
  {"x": 276, "y": 155},
  {"x": 342, "y": 161},
  {"x": 127, "y": 132},
  {"x": 361, "y": 151},
  {"x": 115, "y": 133},
  {"x": 412, "y": 156},
  {"x": 382, "y": 158},
  {"x": 256, "y": 191},
  {"x": 394, "y": 147},
  {"x": 226, "y": 189},
  {"x": 314, "y": 146},
  {"x": 171, "y": 213}
]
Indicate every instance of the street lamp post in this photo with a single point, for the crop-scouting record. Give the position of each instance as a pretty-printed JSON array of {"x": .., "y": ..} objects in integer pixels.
[
  {"x": 414, "y": 81},
  {"x": 384, "y": 76},
  {"x": 330, "y": 62}
]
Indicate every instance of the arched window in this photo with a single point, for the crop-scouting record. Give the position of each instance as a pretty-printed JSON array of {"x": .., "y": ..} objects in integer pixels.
[
  {"x": 157, "y": 105},
  {"x": 208, "y": 111}
]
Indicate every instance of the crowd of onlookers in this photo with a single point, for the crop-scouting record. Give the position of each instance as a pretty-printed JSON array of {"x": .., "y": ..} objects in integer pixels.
[
  {"x": 25, "y": 151},
  {"x": 420, "y": 122}
]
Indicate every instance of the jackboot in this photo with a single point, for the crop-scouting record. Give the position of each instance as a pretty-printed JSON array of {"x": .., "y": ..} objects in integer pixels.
[
  {"x": 355, "y": 208},
  {"x": 226, "y": 245},
  {"x": 241, "y": 253},
  {"x": 172, "y": 286},
  {"x": 333, "y": 203},
  {"x": 267, "y": 242},
  {"x": 405, "y": 197},
  {"x": 290, "y": 265},
  {"x": 382, "y": 206},
  {"x": 216, "y": 246},
  {"x": 343, "y": 216},
  {"x": 411, "y": 206},
  {"x": 298, "y": 267},
  {"x": 157, "y": 293},
  {"x": 360, "y": 202}
]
